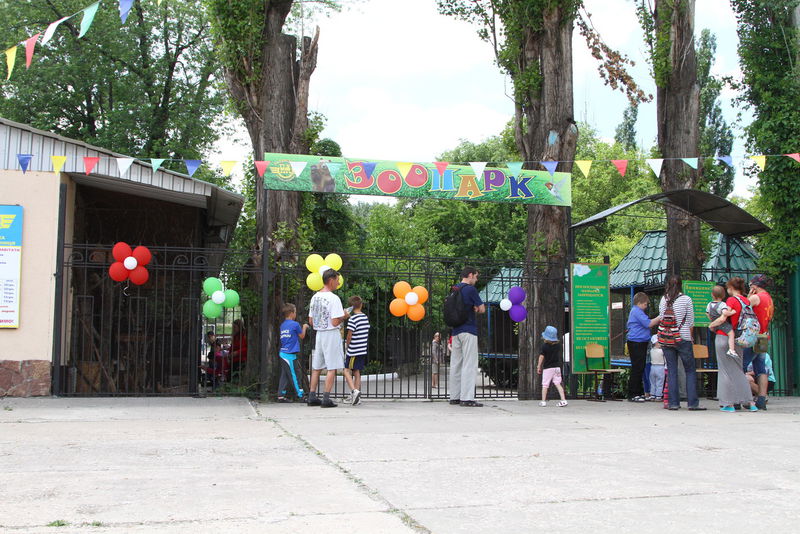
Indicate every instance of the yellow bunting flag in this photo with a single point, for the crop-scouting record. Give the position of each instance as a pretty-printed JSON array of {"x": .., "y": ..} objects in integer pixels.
[
  {"x": 227, "y": 167},
  {"x": 58, "y": 163},
  {"x": 584, "y": 165},
  {"x": 760, "y": 160},
  {"x": 404, "y": 167},
  {"x": 11, "y": 58}
]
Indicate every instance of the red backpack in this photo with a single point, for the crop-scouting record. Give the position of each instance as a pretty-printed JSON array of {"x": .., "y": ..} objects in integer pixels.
[{"x": 669, "y": 333}]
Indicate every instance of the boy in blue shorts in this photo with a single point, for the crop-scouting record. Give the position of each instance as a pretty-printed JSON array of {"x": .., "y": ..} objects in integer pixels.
[
  {"x": 291, "y": 334},
  {"x": 356, "y": 355}
]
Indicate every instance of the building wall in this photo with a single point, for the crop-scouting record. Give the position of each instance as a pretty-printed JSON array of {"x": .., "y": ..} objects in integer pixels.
[{"x": 26, "y": 352}]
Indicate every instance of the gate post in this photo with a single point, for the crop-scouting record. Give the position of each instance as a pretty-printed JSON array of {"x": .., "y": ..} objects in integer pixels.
[{"x": 263, "y": 371}]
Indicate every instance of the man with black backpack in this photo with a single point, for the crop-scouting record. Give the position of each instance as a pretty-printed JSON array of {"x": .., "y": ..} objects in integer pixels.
[{"x": 460, "y": 308}]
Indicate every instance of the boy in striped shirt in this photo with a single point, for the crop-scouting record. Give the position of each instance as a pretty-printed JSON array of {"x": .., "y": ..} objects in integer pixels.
[{"x": 356, "y": 343}]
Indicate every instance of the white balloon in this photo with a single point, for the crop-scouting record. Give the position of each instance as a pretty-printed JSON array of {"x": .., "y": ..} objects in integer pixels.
[
  {"x": 130, "y": 263},
  {"x": 411, "y": 298},
  {"x": 323, "y": 269},
  {"x": 218, "y": 297},
  {"x": 505, "y": 304}
]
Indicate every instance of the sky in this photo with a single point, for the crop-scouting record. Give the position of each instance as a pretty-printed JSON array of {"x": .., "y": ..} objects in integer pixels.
[{"x": 398, "y": 81}]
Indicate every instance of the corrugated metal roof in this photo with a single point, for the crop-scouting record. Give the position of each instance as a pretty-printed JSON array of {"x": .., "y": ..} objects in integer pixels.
[
  {"x": 15, "y": 138},
  {"x": 650, "y": 254},
  {"x": 497, "y": 289}
]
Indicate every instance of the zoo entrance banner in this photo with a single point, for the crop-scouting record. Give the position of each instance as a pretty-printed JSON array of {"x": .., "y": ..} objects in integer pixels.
[{"x": 291, "y": 172}]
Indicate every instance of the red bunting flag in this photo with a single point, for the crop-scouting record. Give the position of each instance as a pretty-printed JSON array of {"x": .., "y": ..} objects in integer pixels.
[
  {"x": 794, "y": 156},
  {"x": 441, "y": 166},
  {"x": 30, "y": 45},
  {"x": 621, "y": 165},
  {"x": 261, "y": 167},
  {"x": 89, "y": 163}
]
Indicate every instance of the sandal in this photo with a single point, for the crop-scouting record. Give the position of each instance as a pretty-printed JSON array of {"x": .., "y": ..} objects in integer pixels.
[{"x": 563, "y": 403}]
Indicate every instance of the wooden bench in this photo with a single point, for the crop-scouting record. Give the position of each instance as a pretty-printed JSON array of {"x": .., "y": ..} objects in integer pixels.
[{"x": 595, "y": 351}]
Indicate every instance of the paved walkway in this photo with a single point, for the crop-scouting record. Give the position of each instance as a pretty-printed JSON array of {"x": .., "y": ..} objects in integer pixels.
[{"x": 225, "y": 465}]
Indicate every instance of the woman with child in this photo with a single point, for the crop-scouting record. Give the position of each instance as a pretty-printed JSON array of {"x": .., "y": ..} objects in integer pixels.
[{"x": 732, "y": 387}]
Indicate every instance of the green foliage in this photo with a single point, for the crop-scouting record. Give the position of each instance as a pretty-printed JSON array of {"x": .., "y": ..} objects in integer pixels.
[
  {"x": 768, "y": 51},
  {"x": 148, "y": 88},
  {"x": 625, "y": 133},
  {"x": 656, "y": 28}
]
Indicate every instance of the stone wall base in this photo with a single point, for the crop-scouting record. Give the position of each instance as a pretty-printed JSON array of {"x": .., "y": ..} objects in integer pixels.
[{"x": 26, "y": 378}]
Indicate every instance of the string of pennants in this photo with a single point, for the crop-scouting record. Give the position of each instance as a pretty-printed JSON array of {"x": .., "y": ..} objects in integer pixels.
[
  {"x": 86, "y": 23},
  {"x": 124, "y": 164}
]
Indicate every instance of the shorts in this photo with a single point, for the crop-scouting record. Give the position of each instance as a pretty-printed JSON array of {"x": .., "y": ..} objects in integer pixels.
[
  {"x": 551, "y": 374},
  {"x": 328, "y": 353},
  {"x": 356, "y": 363}
]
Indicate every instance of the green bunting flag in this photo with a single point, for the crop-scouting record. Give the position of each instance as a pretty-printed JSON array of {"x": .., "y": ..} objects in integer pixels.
[{"x": 88, "y": 18}]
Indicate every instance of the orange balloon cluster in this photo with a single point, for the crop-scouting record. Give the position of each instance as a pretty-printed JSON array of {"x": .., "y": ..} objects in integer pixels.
[{"x": 408, "y": 302}]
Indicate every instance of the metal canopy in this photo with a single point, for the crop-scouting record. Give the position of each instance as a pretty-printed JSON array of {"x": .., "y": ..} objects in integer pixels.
[{"x": 725, "y": 217}]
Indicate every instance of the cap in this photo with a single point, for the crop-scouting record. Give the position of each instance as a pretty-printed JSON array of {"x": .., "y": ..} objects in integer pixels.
[
  {"x": 550, "y": 334},
  {"x": 654, "y": 339},
  {"x": 759, "y": 280}
]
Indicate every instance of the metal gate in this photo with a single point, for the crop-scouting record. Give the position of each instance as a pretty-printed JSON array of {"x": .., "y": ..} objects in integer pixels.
[{"x": 122, "y": 339}]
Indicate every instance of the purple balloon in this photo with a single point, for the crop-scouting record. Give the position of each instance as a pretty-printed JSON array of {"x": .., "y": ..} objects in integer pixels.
[
  {"x": 516, "y": 295},
  {"x": 518, "y": 313}
]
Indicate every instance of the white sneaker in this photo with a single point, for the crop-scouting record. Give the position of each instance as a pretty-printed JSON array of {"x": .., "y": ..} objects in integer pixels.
[
  {"x": 561, "y": 404},
  {"x": 348, "y": 399},
  {"x": 731, "y": 353},
  {"x": 542, "y": 403},
  {"x": 356, "y": 396}
]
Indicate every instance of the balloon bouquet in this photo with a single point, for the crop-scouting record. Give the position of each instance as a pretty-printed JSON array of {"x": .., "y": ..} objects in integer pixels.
[
  {"x": 219, "y": 298},
  {"x": 318, "y": 265},
  {"x": 130, "y": 264},
  {"x": 408, "y": 302},
  {"x": 513, "y": 304}
]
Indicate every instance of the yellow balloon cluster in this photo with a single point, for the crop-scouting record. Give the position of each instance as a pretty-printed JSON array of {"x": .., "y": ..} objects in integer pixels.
[
  {"x": 318, "y": 265},
  {"x": 408, "y": 302}
]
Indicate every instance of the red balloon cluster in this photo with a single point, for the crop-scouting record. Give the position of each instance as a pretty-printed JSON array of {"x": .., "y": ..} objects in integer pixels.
[{"x": 130, "y": 264}]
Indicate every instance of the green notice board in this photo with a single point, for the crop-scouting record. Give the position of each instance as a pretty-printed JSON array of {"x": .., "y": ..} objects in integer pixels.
[
  {"x": 590, "y": 300},
  {"x": 700, "y": 293}
]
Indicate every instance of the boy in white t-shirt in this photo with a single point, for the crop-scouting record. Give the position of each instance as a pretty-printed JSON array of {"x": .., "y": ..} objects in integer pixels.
[
  {"x": 325, "y": 314},
  {"x": 714, "y": 310},
  {"x": 656, "y": 369}
]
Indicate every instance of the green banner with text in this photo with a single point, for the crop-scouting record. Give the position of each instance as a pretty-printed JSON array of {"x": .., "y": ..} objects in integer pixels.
[
  {"x": 590, "y": 300},
  {"x": 700, "y": 292},
  {"x": 290, "y": 172}
]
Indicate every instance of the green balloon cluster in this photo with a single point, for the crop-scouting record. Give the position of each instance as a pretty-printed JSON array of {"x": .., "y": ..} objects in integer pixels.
[{"x": 219, "y": 298}]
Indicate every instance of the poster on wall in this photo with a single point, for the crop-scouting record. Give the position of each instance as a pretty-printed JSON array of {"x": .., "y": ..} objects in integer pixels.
[
  {"x": 10, "y": 264},
  {"x": 511, "y": 183},
  {"x": 700, "y": 293},
  {"x": 590, "y": 300}
]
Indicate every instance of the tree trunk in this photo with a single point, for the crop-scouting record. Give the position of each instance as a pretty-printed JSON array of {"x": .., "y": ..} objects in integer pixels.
[
  {"x": 551, "y": 135},
  {"x": 678, "y": 108},
  {"x": 274, "y": 105}
]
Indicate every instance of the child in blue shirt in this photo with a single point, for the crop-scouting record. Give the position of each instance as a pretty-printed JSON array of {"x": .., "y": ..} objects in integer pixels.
[{"x": 291, "y": 334}]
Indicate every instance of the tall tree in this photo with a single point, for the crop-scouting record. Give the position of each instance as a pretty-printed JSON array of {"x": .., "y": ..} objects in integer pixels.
[
  {"x": 669, "y": 32},
  {"x": 769, "y": 50},
  {"x": 716, "y": 136},
  {"x": 532, "y": 40},
  {"x": 268, "y": 85},
  {"x": 148, "y": 88},
  {"x": 625, "y": 134}
]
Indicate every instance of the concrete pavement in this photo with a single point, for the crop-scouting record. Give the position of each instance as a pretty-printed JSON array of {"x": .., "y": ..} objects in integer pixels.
[{"x": 226, "y": 465}]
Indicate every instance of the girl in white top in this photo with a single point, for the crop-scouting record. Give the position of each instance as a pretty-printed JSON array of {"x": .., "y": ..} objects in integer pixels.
[{"x": 656, "y": 370}]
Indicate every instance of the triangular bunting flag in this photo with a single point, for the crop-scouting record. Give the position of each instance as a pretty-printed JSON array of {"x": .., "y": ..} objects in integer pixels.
[
  {"x": 159, "y": 2},
  {"x": 550, "y": 166},
  {"x": 655, "y": 164},
  {"x": 48, "y": 33},
  {"x": 691, "y": 162},
  {"x": 334, "y": 167},
  {"x": 760, "y": 160},
  {"x": 124, "y": 9},
  {"x": 441, "y": 166},
  {"x": 30, "y": 45},
  {"x": 156, "y": 163},
  {"x": 88, "y": 18},
  {"x": 404, "y": 167},
  {"x": 298, "y": 167},
  {"x": 514, "y": 167},
  {"x": 227, "y": 166},
  {"x": 58, "y": 163},
  {"x": 369, "y": 167},
  {"x": 727, "y": 160},
  {"x": 123, "y": 164},
  {"x": 477, "y": 168},
  {"x": 24, "y": 161},
  {"x": 192, "y": 165},
  {"x": 89, "y": 163},
  {"x": 794, "y": 156},
  {"x": 261, "y": 167},
  {"x": 584, "y": 165},
  {"x": 11, "y": 58},
  {"x": 621, "y": 165}
]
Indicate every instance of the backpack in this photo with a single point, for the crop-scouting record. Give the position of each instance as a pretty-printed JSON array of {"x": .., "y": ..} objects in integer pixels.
[
  {"x": 669, "y": 333},
  {"x": 456, "y": 311},
  {"x": 748, "y": 326}
]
